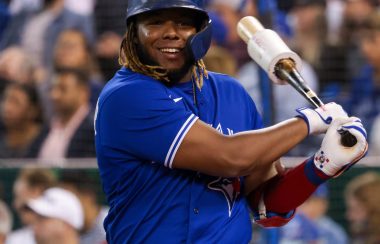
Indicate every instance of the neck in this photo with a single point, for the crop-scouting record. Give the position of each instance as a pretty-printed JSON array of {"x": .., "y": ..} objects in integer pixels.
[
  {"x": 186, "y": 77},
  {"x": 64, "y": 118}
]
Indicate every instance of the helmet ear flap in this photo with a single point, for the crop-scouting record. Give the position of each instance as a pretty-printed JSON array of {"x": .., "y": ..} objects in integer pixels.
[{"x": 198, "y": 44}]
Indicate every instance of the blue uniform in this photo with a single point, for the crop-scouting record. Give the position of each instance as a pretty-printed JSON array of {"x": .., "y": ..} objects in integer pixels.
[{"x": 139, "y": 126}]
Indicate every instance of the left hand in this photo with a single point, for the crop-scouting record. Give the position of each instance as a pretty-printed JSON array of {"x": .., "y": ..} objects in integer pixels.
[
  {"x": 333, "y": 158},
  {"x": 319, "y": 120}
]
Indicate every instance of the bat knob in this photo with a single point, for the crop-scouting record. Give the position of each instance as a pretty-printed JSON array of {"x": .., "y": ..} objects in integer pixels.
[{"x": 347, "y": 139}]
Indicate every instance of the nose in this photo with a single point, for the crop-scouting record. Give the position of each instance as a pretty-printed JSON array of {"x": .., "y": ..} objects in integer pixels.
[{"x": 170, "y": 30}]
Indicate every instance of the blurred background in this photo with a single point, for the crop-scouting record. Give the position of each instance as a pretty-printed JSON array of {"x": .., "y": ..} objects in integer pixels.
[{"x": 56, "y": 56}]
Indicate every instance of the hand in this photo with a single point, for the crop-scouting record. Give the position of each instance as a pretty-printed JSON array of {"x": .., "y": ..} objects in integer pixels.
[
  {"x": 333, "y": 158},
  {"x": 318, "y": 120}
]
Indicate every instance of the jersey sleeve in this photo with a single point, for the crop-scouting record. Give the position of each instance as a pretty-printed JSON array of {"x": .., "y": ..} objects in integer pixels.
[{"x": 143, "y": 120}]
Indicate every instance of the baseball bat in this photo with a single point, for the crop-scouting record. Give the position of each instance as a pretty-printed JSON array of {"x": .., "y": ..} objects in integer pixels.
[{"x": 268, "y": 50}]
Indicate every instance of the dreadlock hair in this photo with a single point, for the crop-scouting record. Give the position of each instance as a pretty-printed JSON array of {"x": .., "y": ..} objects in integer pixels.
[{"x": 128, "y": 57}]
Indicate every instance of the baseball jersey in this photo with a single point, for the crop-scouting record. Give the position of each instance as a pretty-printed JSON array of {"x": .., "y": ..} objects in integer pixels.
[{"x": 139, "y": 126}]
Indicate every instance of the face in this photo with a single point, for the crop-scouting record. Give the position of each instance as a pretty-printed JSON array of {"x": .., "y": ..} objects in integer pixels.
[
  {"x": 67, "y": 94},
  {"x": 306, "y": 17},
  {"x": 358, "y": 10},
  {"x": 16, "y": 108},
  {"x": 162, "y": 37},
  {"x": 21, "y": 194},
  {"x": 49, "y": 230},
  {"x": 70, "y": 50},
  {"x": 12, "y": 65},
  {"x": 356, "y": 213}
]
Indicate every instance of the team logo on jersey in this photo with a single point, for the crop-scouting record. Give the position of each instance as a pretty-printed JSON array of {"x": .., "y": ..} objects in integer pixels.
[
  {"x": 219, "y": 128},
  {"x": 230, "y": 187}
]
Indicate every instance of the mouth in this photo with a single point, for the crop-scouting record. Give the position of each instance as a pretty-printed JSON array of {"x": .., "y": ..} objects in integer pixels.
[{"x": 170, "y": 50}]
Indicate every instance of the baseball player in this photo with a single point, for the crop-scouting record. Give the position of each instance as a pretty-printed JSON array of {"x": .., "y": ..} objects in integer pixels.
[{"x": 181, "y": 151}]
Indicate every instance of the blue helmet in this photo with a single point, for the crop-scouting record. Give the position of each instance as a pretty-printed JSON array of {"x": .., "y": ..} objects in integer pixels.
[{"x": 199, "y": 43}]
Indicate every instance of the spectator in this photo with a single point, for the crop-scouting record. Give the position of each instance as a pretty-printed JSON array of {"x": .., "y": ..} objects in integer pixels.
[
  {"x": 73, "y": 50},
  {"x": 30, "y": 184},
  {"x": 310, "y": 28},
  {"x": 15, "y": 66},
  {"x": 21, "y": 115},
  {"x": 355, "y": 14},
  {"x": 71, "y": 133},
  {"x": 87, "y": 189},
  {"x": 6, "y": 221},
  {"x": 59, "y": 217},
  {"x": 364, "y": 98},
  {"x": 110, "y": 27},
  {"x": 41, "y": 31},
  {"x": 231, "y": 12},
  {"x": 311, "y": 41},
  {"x": 363, "y": 209}
]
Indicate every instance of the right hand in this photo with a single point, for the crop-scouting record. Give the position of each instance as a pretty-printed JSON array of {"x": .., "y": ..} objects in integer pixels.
[
  {"x": 318, "y": 120},
  {"x": 333, "y": 158}
]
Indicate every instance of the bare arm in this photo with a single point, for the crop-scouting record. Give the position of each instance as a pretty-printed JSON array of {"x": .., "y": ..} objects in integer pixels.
[{"x": 207, "y": 151}]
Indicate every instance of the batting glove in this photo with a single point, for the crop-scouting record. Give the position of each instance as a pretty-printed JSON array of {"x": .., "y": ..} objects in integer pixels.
[
  {"x": 318, "y": 120},
  {"x": 333, "y": 158}
]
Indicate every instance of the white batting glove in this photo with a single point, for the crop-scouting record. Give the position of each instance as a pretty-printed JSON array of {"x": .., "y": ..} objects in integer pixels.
[
  {"x": 318, "y": 120},
  {"x": 333, "y": 158}
]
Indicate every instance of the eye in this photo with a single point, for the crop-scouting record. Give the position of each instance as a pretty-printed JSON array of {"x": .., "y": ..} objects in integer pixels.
[
  {"x": 186, "y": 23},
  {"x": 155, "y": 21}
]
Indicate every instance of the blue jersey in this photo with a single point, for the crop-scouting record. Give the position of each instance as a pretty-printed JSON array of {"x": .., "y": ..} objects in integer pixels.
[{"x": 139, "y": 126}]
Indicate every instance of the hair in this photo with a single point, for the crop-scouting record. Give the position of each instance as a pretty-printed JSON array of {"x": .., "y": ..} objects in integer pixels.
[
  {"x": 33, "y": 96},
  {"x": 129, "y": 58},
  {"x": 364, "y": 188},
  {"x": 37, "y": 177},
  {"x": 80, "y": 74},
  {"x": 91, "y": 66},
  {"x": 83, "y": 181}
]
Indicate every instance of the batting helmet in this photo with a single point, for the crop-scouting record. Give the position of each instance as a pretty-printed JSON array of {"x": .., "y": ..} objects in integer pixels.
[{"x": 199, "y": 43}]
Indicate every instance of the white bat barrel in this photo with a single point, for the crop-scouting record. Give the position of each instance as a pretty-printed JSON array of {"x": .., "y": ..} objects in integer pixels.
[{"x": 265, "y": 46}]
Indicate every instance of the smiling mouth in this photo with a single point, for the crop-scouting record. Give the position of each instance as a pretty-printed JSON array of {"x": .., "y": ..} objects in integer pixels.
[{"x": 170, "y": 50}]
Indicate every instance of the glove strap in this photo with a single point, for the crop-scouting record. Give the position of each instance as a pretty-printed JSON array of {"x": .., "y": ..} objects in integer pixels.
[{"x": 313, "y": 174}]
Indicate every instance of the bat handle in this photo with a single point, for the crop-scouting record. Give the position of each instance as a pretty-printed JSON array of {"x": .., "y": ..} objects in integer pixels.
[{"x": 285, "y": 70}]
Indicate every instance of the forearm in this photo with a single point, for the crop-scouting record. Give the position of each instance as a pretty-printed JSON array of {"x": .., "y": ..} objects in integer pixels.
[
  {"x": 260, "y": 148},
  {"x": 286, "y": 192},
  {"x": 207, "y": 151}
]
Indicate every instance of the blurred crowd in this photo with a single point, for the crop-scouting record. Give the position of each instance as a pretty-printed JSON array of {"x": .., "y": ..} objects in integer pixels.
[
  {"x": 66, "y": 207},
  {"x": 56, "y": 55},
  {"x": 51, "y": 207}
]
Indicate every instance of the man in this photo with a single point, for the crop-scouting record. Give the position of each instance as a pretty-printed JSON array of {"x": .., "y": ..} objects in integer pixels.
[
  {"x": 71, "y": 129},
  {"x": 86, "y": 188},
  {"x": 29, "y": 184},
  {"x": 59, "y": 217},
  {"x": 177, "y": 153}
]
